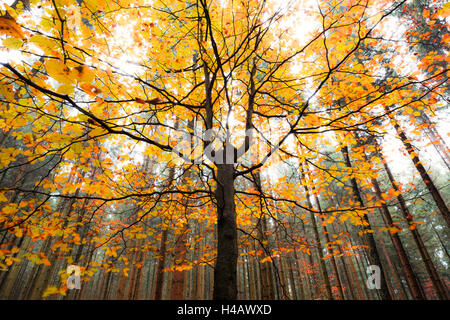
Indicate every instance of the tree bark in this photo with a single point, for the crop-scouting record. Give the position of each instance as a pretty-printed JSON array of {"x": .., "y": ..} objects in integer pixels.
[
  {"x": 411, "y": 277},
  {"x": 421, "y": 169},
  {"x": 225, "y": 287},
  {"x": 373, "y": 252},
  {"x": 432, "y": 272}
]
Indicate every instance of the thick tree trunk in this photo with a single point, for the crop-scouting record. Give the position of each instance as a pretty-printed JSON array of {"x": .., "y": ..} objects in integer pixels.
[
  {"x": 411, "y": 277},
  {"x": 423, "y": 173},
  {"x": 432, "y": 272},
  {"x": 225, "y": 287},
  {"x": 373, "y": 252}
]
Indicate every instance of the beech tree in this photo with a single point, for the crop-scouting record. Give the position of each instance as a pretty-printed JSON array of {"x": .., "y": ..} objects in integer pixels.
[{"x": 200, "y": 147}]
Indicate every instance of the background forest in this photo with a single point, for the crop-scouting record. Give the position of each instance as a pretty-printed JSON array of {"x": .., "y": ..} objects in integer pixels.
[{"x": 116, "y": 115}]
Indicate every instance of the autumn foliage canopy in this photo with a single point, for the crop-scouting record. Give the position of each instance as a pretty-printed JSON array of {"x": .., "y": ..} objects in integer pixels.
[{"x": 345, "y": 166}]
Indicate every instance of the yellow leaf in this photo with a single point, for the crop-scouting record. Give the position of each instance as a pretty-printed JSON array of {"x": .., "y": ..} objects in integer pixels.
[
  {"x": 66, "y": 89},
  {"x": 58, "y": 71},
  {"x": 12, "y": 43},
  {"x": 77, "y": 147},
  {"x": 43, "y": 43},
  {"x": 49, "y": 291},
  {"x": 19, "y": 233},
  {"x": 95, "y": 5},
  {"x": 7, "y": 91},
  {"x": 266, "y": 259},
  {"x": 3, "y": 198},
  {"x": 83, "y": 74}
]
